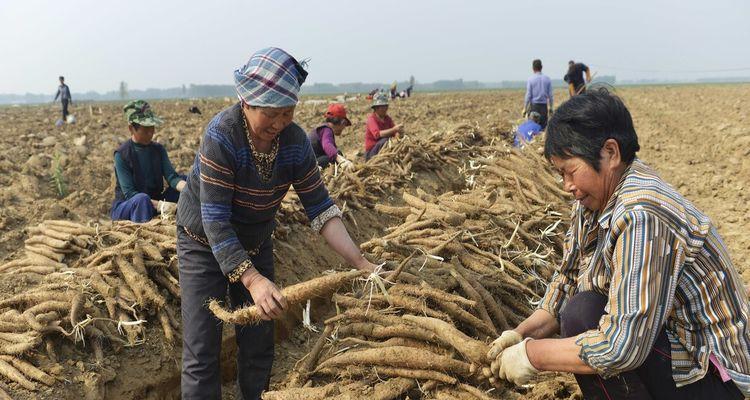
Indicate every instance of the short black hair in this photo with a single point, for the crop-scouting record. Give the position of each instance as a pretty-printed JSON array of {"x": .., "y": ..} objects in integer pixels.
[
  {"x": 581, "y": 125},
  {"x": 571, "y": 62},
  {"x": 536, "y": 65},
  {"x": 62, "y": 78},
  {"x": 335, "y": 121}
]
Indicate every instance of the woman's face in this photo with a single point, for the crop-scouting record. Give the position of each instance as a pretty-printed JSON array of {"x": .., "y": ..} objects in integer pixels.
[
  {"x": 593, "y": 189},
  {"x": 338, "y": 128},
  {"x": 266, "y": 123},
  {"x": 142, "y": 134},
  {"x": 380, "y": 111},
  {"x": 581, "y": 180}
]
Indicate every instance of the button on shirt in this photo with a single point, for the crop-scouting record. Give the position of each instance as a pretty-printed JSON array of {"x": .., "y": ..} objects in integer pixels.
[
  {"x": 538, "y": 89},
  {"x": 661, "y": 263}
]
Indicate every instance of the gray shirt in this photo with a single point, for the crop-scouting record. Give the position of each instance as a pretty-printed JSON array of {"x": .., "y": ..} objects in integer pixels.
[{"x": 63, "y": 92}]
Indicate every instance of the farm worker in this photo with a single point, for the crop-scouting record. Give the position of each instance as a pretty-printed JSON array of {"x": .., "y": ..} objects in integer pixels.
[
  {"x": 323, "y": 138},
  {"x": 526, "y": 132},
  {"x": 379, "y": 128},
  {"x": 250, "y": 154},
  {"x": 394, "y": 88},
  {"x": 411, "y": 86},
  {"x": 538, "y": 93},
  {"x": 647, "y": 302},
  {"x": 574, "y": 77},
  {"x": 63, "y": 92},
  {"x": 141, "y": 166}
]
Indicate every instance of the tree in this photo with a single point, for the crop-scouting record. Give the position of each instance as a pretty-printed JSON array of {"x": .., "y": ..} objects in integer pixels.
[{"x": 123, "y": 90}]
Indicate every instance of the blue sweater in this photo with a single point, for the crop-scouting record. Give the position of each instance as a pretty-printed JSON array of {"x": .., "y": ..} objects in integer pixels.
[{"x": 226, "y": 202}]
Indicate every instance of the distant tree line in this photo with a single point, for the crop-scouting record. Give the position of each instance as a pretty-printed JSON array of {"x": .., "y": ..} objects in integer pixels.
[{"x": 123, "y": 92}]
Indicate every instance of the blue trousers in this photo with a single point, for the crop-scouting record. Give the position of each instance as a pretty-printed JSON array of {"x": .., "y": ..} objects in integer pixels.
[
  {"x": 139, "y": 208},
  {"x": 376, "y": 149}
]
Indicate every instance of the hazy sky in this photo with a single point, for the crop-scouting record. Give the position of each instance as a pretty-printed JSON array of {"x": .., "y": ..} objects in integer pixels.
[{"x": 167, "y": 43}]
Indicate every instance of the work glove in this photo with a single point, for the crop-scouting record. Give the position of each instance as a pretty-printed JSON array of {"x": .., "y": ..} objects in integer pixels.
[
  {"x": 167, "y": 209},
  {"x": 514, "y": 365},
  {"x": 507, "y": 338},
  {"x": 346, "y": 165}
]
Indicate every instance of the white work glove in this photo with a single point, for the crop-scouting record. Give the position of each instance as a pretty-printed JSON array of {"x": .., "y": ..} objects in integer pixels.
[
  {"x": 507, "y": 338},
  {"x": 346, "y": 165},
  {"x": 181, "y": 185},
  {"x": 167, "y": 209},
  {"x": 515, "y": 365}
]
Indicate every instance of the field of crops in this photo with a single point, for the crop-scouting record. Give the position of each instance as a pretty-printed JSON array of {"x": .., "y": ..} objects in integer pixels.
[{"x": 90, "y": 309}]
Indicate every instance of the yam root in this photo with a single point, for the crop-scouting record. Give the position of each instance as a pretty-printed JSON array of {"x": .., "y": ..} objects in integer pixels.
[
  {"x": 294, "y": 294},
  {"x": 473, "y": 350},
  {"x": 398, "y": 356}
]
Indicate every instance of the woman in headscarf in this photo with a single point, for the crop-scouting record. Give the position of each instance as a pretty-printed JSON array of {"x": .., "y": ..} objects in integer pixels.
[
  {"x": 647, "y": 302},
  {"x": 250, "y": 154}
]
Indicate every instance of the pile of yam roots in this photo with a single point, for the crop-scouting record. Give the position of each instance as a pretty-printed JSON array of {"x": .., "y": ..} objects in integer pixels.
[
  {"x": 93, "y": 286},
  {"x": 467, "y": 265}
]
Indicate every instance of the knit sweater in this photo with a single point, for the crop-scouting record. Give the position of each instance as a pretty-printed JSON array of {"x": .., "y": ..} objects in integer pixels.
[{"x": 226, "y": 202}]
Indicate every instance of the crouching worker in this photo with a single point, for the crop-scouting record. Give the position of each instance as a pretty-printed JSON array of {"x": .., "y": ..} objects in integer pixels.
[
  {"x": 250, "y": 155},
  {"x": 380, "y": 127},
  {"x": 526, "y": 132},
  {"x": 323, "y": 138},
  {"x": 141, "y": 166},
  {"x": 647, "y": 302}
]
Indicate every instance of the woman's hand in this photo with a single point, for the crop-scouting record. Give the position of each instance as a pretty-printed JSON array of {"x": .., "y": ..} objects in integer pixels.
[
  {"x": 364, "y": 265},
  {"x": 266, "y": 295}
]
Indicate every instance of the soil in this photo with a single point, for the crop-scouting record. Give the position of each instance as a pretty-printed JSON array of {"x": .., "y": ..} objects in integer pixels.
[{"x": 696, "y": 136}]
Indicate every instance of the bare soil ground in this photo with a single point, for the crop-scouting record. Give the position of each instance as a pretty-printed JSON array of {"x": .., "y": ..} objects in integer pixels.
[{"x": 696, "y": 136}]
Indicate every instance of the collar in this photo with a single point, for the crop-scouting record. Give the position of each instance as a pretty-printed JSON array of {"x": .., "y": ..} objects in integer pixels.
[{"x": 606, "y": 215}]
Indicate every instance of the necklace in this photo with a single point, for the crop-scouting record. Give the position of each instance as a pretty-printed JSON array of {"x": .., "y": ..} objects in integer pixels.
[{"x": 263, "y": 161}]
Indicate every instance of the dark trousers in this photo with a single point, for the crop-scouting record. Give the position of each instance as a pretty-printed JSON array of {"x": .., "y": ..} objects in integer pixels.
[
  {"x": 201, "y": 280},
  {"x": 64, "y": 108},
  {"x": 376, "y": 149},
  {"x": 542, "y": 110},
  {"x": 653, "y": 379}
]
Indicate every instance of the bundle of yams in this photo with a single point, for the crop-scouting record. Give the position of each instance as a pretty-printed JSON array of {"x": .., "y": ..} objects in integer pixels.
[{"x": 94, "y": 286}]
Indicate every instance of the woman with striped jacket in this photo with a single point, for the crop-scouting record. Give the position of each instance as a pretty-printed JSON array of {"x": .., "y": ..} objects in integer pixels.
[{"x": 647, "y": 302}]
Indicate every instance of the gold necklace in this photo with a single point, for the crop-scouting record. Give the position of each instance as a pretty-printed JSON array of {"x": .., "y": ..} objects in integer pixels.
[{"x": 263, "y": 161}]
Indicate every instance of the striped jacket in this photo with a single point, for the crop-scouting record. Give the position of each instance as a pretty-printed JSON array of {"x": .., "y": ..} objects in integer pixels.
[
  {"x": 663, "y": 265},
  {"x": 225, "y": 200}
]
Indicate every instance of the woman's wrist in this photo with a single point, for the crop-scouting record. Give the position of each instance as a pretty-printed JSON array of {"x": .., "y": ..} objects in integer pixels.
[
  {"x": 363, "y": 264},
  {"x": 241, "y": 271}
]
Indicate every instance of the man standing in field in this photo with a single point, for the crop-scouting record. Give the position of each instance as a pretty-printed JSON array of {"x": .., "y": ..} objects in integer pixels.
[
  {"x": 538, "y": 94},
  {"x": 574, "y": 77},
  {"x": 63, "y": 92}
]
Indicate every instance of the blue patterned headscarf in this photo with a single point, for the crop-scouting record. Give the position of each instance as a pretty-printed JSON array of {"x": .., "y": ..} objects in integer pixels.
[{"x": 271, "y": 78}]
